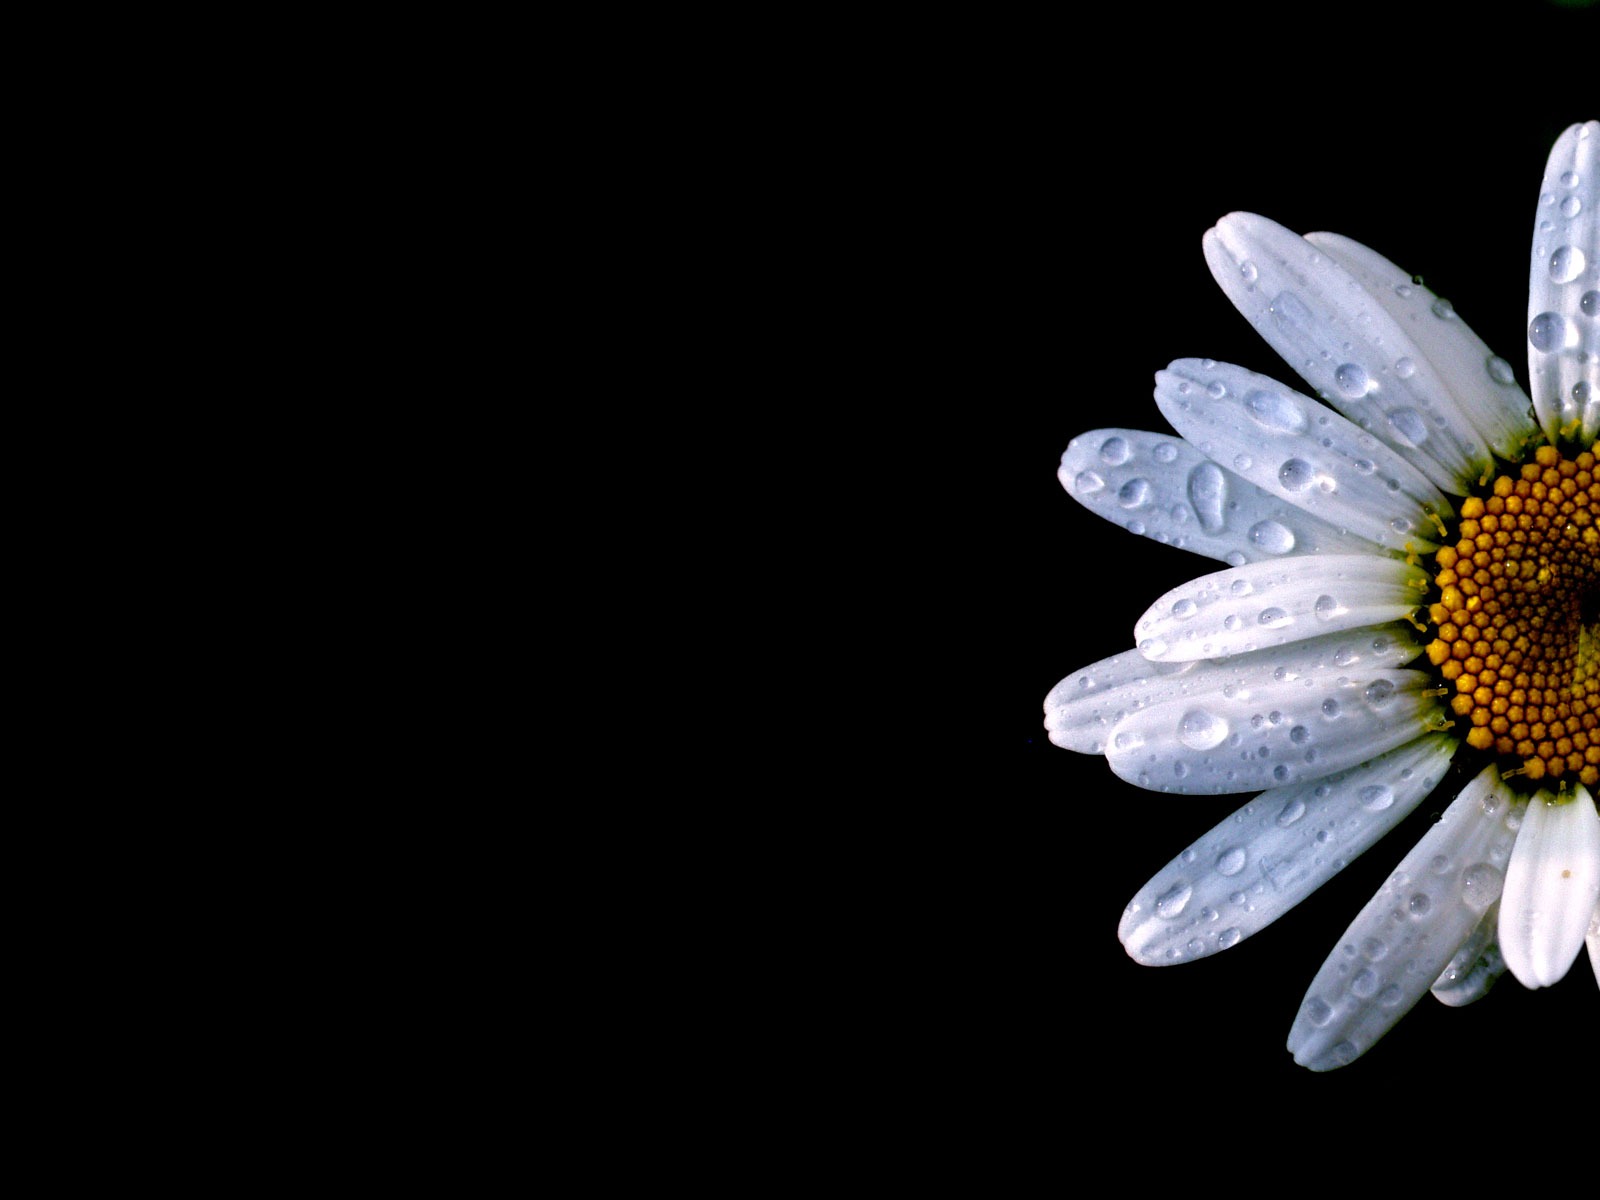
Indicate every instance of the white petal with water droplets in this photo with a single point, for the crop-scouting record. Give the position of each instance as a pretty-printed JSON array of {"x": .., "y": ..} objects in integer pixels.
[
  {"x": 1083, "y": 708},
  {"x": 1408, "y": 933},
  {"x": 1564, "y": 289},
  {"x": 1160, "y": 487},
  {"x": 1301, "y": 451},
  {"x": 1250, "y": 738},
  {"x": 1347, "y": 347},
  {"x": 1273, "y": 853},
  {"x": 1273, "y": 603},
  {"x": 1552, "y": 887},
  {"x": 1475, "y": 966},
  {"x": 1593, "y": 940},
  {"x": 1481, "y": 382}
]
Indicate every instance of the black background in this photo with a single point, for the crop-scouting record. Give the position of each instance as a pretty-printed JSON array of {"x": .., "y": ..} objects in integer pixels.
[{"x": 1095, "y": 191}]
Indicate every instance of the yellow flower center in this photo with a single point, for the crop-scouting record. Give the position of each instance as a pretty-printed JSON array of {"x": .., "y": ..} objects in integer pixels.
[{"x": 1515, "y": 628}]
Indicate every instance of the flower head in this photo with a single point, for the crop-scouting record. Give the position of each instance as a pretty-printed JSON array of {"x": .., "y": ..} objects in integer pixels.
[{"x": 1411, "y": 584}]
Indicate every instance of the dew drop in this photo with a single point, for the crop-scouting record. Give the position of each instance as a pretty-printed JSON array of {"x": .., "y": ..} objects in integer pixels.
[
  {"x": 1364, "y": 983},
  {"x": 1379, "y": 692},
  {"x": 1299, "y": 735},
  {"x": 1571, "y": 206},
  {"x": 1419, "y": 905},
  {"x": 1232, "y": 623},
  {"x": 1248, "y": 270},
  {"x": 1229, "y": 937},
  {"x": 1201, "y": 730},
  {"x": 1088, "y": 483},
  {"x": 1548, "y": 332},
  {"x": 1231, "y": 861},
  {"x": 1405, "y": 368},
  {"x": 1134, "y": 493},
  {"x": 1184, "y": 609},
  {"x": 1274, "y": 618},
  {"x": 1242, "y": 463},
  {"x": 1318, "y": 1011},
  {"x": 1443, "y": 309},
  {"x": 1408, "y": 426},
  {"x": 1275, "y": 411},
  {"x": 1216, "y": 389},
  {"x": 1566, "y": 264},
  {"x": 1330, "y": 708},
  {"x": 1327, "y": 608},
  {"x": 1500, "y": 370},
  {"x": 1271, "y": 537},
  {"x": 1115, "y": 450},
  {"x": 1569, "y": 179},
  {"x": 1292, "y": 812},
  {"x": 1439, "y": 864},
  {"x": 1207, "y": 488},
  {"x": 1374, "y": 949},
  {"x": 1164, "y": 452},
  {"x": 1376, "y": 797},
  {"x": 1403, "y": 290},
  {"x": 1480, "y": 886},
  {"x": 1296, "y": 475},
  {"x": 1171, "y": 903},
  {"x": 1353, "y": 380}
]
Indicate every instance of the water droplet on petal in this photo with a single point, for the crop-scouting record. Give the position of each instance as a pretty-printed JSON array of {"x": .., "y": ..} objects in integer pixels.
[
  {"x": 1292, "y": 812},
  {"x": 1231, "y": 861},
  {"x": 1443, "y": 309},
  {"x": 1405, "y": 368},
  {"x": 1379, "y": 692},
  {"x": 1296, "y": 475},
  {"x": 1566, "y": 264},
  {"x": 1247, "y": 269},
  {"x": 1271, "y": 537},
  {"x": 1275, "y": 411},
  {"x": 1330, "y": 708},
  {"x": 1376, "y": 797},
  {"x": 1480, "y": 886},
  {"x": 1353, "y": 380},
  {"x": 1184, "y": 609},
  {"x": 1571, "y": 206},
  {"x": 1274, "y": 618},
  {"x": 1164, "y": 452},
  {"x": 1420, "y": 904},
  {"x": 1134, "y": 493},
  {"x": 1500, "y": 370},
  {"x": 1207, "y": 494},
  {"x": 1229, "y": 937},
  {"x": 1318, "y": 1011},
  {"x": 1088, "y": 483},
  {"x": 1408, "y": 426},
  {"x": 1201, "y": 730},
  {"x": 1548, "y": 332},
  {"x": 1171, "y": 903}
]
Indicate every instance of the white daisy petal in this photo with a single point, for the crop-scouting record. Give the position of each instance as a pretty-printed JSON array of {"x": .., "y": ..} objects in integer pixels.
[
  {"x": 1273, "y": 853},
  {"x": 1272, "y": 733},
  {"x": 1273, "y": 603},
  {"x": 1481, "y": 382},
  {"x": 1345, "y": 345},
  {"x": 1552, "y": 886},
  {"x": 1593, "y": 940},
  {"x": 1564, "y": 289},
  {"x": 1160, "y": 487},
  {"x": 1475, "y": 967},
  {"x": 1082, "y": 709},
  {"x": 1301, "y": 451},
  {"x": 1408, "y": 933}
]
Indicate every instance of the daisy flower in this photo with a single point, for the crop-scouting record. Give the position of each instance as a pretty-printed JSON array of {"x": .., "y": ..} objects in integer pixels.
[{"x": 1411, "y": 583}]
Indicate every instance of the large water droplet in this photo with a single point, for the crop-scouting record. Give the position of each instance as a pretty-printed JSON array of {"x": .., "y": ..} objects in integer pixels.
[
  {"x": 1480, "y": 886},
  {"x": 1229, "y": 937},
  {"x": 1353, "y": 380},
  {"x": 1327, "y": 608},
  {"x": 1088, "y": 483},
  {"x": 1296, "y": 475},
  {"x": 1330, "y": 708},
  {"x": 1184, "y": 609},
  {"x": 1408, "y": 426},
  {"x": 1290, "y": 311},
  {"x": 1275, "y": 411},
  {"x": 1548, "y": 332},
  {"x": 1566, "y": 264},
  {"x": 1201, "y": 730},
  {"x": 1115, "y": 450},
  {"x": 1207, "y": 493},
  {"x": 1271, "y": 537},
  {"x": 1231, "y": 861},
  {"x": 1379, "y": 692},
  {"x": 1318, "y": 1011},
  {"x": 1274, "y": 618},
  {"x": 1443, "y": 309},
  {"x": 1376, "y": 797},
  {"x": 1134, "y": 493},
  {"x": 1420, "y": 905},
  {"x": 1292, "y": 812},
  {"x": 1171, "y": 903},
  {"x": 1364, "y": 983},
  {"x": 1571, "y": 206}
]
